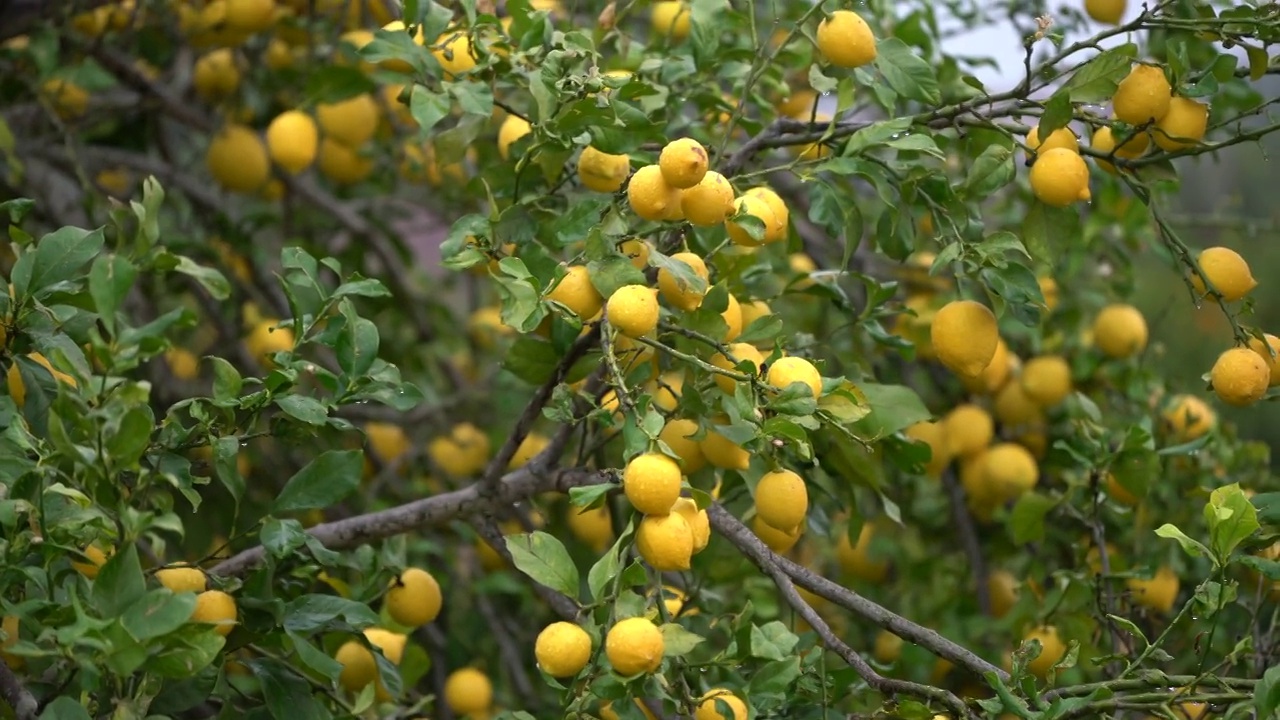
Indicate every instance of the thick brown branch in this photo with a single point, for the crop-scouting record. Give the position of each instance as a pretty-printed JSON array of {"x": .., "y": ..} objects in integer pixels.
[
  {"x": 427, "y": 512},
  {"x": 731, "y": 528},
  {"x": 13, "y": 692}
]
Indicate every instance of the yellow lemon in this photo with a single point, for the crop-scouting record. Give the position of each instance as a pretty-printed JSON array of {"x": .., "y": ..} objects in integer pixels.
[
  {"x": 1047, "y": 380},
  {"x": 649, "y": 195},
  {"x": 846, "y": 40},
  {"x": 1104, "y": 141},
  {"x": 1240, "y": 377},
  {"x": 1227, "y": 271},
  {"x": 651, "y": 483},
  {"x": 665, "y": 542},
  {"x": 775, "y": 228},
  {"x": 237, "y": 159},
  {"x": 964, "y": 336},
  {"x": 1010, "y": 470},
  {"x": 1143, "y": 96},
  {"x": 1189, "y": 417},
  {"x": 676, "y": 291},
  {"x": 887, "y": 647},
  {"x": 678, "y": 435},
  {"x": 633, "y": 310},
  {"x": 562, "y": 649},
  {"x": 633, "y": 646},
  {"x": 1120, "y": 331},
  {"x": 782, "y": 500},
  {"x": 1003, "y": 589},
  {"x": 182, "y": 579},
  {"x": 1051, "y": 648},
  {"x": 1270, "y": 352},
  {"x": 216, "y": 75},
  {"x": 1060, "y": 177},
  {"x": 709, "y": 202},
  {"x": 857, "y": 559},
  {"x": 1158, "y": 592},
  {"x": 1060, "y": 138},
  {"x": 968, "y": 429},
  {"x": 1105, "y": 11},
  {"x": 351, "y": 122},
  {"x": 293, "y": 140},
  {"x": 699, "y": 523},
  {"x": 1183, "y": 126},
  {"x": 785, "y": 371},
  {"x": 250, "y": 16},
  {"x": 396, "y": 64},
  {"x": 217, "y": 608},
  {"x": 683, "y": 163},
  {"x": 601, "y": 171},
  {"x": 341, "y": 164},
  {"x": 933, "y": 434},
  {"x": 592, "y": 526},
  {"x": 468, "y": 691},
  {"x": 671, "y": 18},
  {"x": 388, "y": 440},
  {"x": 454, "y": 53},
  {"x": 576, "y": 292},
  {"x": 463, "y": 452},
  {"x": 722, "y": 452},
  {"x": 777, "y": 540},
  {"x": 638, "y": 251},
  {"x": 710, "y": 704},
  {"x": 755, "y": 207},
  {"x": 414, "y": 598},
  {"x": 741, "y": 352},
  {"x": 18, "y": 391},
  {"x": 182, "y": 363}
]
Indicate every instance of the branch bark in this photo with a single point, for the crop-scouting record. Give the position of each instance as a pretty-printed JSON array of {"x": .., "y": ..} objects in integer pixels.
[{"x": 20, "y": 699}]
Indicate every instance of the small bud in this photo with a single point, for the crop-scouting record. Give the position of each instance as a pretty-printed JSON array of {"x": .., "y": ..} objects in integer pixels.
[{"x": 607, "y": 16}]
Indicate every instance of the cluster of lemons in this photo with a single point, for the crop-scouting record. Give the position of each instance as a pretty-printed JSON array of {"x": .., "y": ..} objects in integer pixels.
[{"x": 1144, "y": 101}]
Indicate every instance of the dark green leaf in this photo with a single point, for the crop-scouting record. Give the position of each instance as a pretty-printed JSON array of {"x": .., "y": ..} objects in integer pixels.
[
  {"x": 775, "y": 678},
  {"x": 1057, "y": 113},
  {"x": 1266, "y": 696},
  {"x": 330, "y": 477},
  {"x": 131, "y": 437},
  {"x": 992, "y": 170},
  {"x": 287, "y": 696},
  {"x": 333, "y": 83},
  {"x": 1026, "y": 521},
  {"x": 678, "y": 640},
  {"x": 225, "y": 467},
  {"x": 210, "y": 278},
  {"x": 893, "y": 407},
  {"x": 316, "y": 612},
  {"x": 157, "y": 613},
  {"x": 544, "y": 558},
  {"x": 281, "y": 538},
  {"x": 613, "y": 272},
  {"x": 910, "y": 75},
  {"x": 1231, "y": 519},
  {"x": 65, "y": 708},
  {"x": 57, "y": 258},
  {"x": 110, "y": 279},
  {"x": 307, "y": 409},
  {"x": 119, "y": 583},
  {"x": 428, "y": 108},
  {"x": 532, "y": 360},
  {"x": 1097, "y": 79}
]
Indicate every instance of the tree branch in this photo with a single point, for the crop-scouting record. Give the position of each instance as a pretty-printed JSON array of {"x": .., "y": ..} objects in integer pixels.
[
  {"x": 968, "y": 539},
  {"x": 21, "y": 700}
]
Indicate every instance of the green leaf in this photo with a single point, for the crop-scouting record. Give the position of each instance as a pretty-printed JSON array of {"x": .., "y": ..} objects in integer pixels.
[
  {"x": 186, "y": 653},
  {"x": 1268, "y": 507},
  {"x": 64, "y": 708},
  {"x": 545, "y": 559},
  {"x": 1097, "y": 79},
  {"x": 678, "y": 640},
  {"x": 1018, "y": 286},
  {"x": 774, "y": 678},
  {"x": 910, "y": 75},
  {"x": 330, "y": 477},
  {"x": 1266, "y": 695},
  {"x": 287, "y": 696},
  {"x": 1026, "y": 520},
  {"x": 992, "y": 170},
  {"x": 1057, "y": 113},
  {"x": 110, "y": 279},
  {"x": 303, "y": 408},
  {"x": 333, "y": 83},
  {"x": 58, "y": 257},
  {"x": 1192, "y": 547},
  {"x": 474, "y": 98},
  {"x": 533, "y": 360},
  {"x": 773, "y": 641},
  {"x": 761, "y": 329},
  {"x": 281, "y": 538},
  {"x": 211, "y": 279},
  {"x": 795, "y": 399},
  {"x": 316, "y": 612},
  {"x": 584, "y": 497},
  {"x": 158, "y": 613},
  {"x": 225, "y": 467},
  {"x": 685, "y": 277},
  {"x": 357, "y": 345},
  {"x": 1270, "y": 569},
  {"x": 131, "y": 437},
  {"x": 610, "y": 273},
  {"x": 1046, "y": 230},
  {"x": 1231, "y": 519},
  {"x": 876, "y": 134},
  {"x": 119, "y": 583},
  {"x": 427, "y": 108},
  {"x": 893, "y": 408},
  {"x": 604, "y": 570},
  {"x": 226, "y": 380},
  {"x": 1130, "y": 628},
  {"x": 1258, "y": 62}
]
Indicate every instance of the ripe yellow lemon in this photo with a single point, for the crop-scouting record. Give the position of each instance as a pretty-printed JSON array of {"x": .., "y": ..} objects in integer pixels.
[
  {"x": 1051, "y": 648},
  {"x": 182, "y": 363},
  {"x": 1240, "y": 377},
  {"x": 788, "y": 370},
  {"x": 603, "y": 172},
  {"x": 964, "y": 336},
  {"x": 710, "y": 704},
  {"x": 216, "y": 75},
  {"x": 1010, "y": 470},
  {"x": 665, "y": 542},
  {"x": 97, "y": 558},
  {"x": 755, "y": 207},
  {"x": 1104, "y": 141},
  {"x": 293, "y": 140},
  {"x": 217, "y": 608},
  {"x": 182, "y": 579},
  {"x": 414, "y": 598},
  {"x": 742, "y": 352},
  {"x": 775, "y": 228},
  {"x": 1105, "y": 11},
  {"x": 18, "y": 391},
  {"x": 266, "y": 339},
  {"x": 933, "y": 434},
  {"x": 724, "y": 453},
  {"x": 995, "y": 374},
  {"x": 351, "y": 122},
  {"x": 709, "y": 202},
  {"x": 607, "y": 712},
  {"x": 846, "y": 40},
  {"x": 633, "y": 310},
  {"x": 887, "y": 647},
  {"x": 1183, "y": 126},
  {"x": 1227, "y": 271},
  {"x": 341, "y": 164},
  {"x": 1158, "y": 592},
  {"x": 463, "y": 452},
  {"x": 858, "y": 559},
  {"x": 968, "y": 429},
  {"x": 454, "y": 53},
  {"x": 1269, "y": 352},
  {"x": 250, "y": 16},
  {"x": 634, "y": 646},
  {"x": 671, "y": 18},
  {"x": 1047, "y": 380},
  {"x": 1143, "y": 96},
  {"x": 576, "y": 292},
  {"x": 638, "y": 251},
  {"x": 678, "y": 293},
  {"x": 593, "y": 526},
  {"x": 699, "y": 522},
  {"x": 1120, "y": 331},
  {"x": 387, "y": 440},
  {"x": 562, "y": 649},
  {"x": 649, "y": 195},
  {"x": 678, "y": 435},
  {"x": 1060, "y": 138},
  {"x": 777, "y": 540},
  {"x": 1003, "y": 589},
  {"x": 1060, "y": 177},
  {"x": 1189, "y": 417},
  {"x": 468, "y": 691},
  {"x": 651, "y": 483},
  {"x": 512, "y": 129},
  {"x": 782, "y": 500},
  {"x": 237, "y": 159},
  {"x": 683, "y": 163},
  {"x": 358, "y": 666}
]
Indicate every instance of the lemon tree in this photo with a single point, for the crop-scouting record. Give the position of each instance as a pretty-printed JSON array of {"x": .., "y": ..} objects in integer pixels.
[{"x": 672, "y": 359}]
